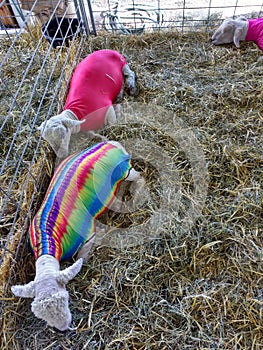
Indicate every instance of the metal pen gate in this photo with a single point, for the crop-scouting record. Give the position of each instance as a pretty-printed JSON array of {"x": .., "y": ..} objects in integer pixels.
[{"x": 38, "y": 56}]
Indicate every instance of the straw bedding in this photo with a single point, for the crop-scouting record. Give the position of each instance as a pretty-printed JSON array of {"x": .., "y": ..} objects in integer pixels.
[{"x": 196, "y": 286}]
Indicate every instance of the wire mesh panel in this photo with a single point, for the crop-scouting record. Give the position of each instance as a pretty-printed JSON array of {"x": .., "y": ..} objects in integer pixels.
[
  {"x": 40, "y": 44},
  {"x": 137, "y": 16}
]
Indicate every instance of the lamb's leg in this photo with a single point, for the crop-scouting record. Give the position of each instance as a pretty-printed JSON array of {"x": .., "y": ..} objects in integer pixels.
[
  {"x": 138, "y": 189},
  {"x": 133, "y": 175},
  {"x": 129, "y": 77},
  {"x": 98, "y": 235},
  {"x": 119, "y": 98},
  {"x": 86, "y": 248},
  {"x": 91, "y": 134},
  {"x": 117, "y": 109},
  {"x": 110, "y": 118}
]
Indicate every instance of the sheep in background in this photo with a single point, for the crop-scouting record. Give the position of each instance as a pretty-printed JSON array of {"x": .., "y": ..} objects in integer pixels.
[
  {"x": 43, "y": 9},
  {"x": 96, "y": 84},
  {"x": 82, "y": 188},
  {"x": 236, "y": 30}
]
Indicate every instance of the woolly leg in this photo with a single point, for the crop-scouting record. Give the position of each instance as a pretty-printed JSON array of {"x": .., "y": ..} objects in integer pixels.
[
  {"x": 97, "y": 236},
  {"x": 138, "y": 190},
  {"x": 117, "y": 109},
  {"x": 86, "y": 248},
  {"x": 92, "y": 134},
  {"x": 119, "y": 98},
  {"x": 110, "y": 116},
  {"x": 118, "y": 205},
  {"x": 133, "y": 175}
]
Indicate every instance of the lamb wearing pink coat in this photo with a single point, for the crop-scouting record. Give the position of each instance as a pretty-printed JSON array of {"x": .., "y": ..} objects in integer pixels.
[
  {"x": 236, "y": 30},
  {"x": 97, "y": 83}
]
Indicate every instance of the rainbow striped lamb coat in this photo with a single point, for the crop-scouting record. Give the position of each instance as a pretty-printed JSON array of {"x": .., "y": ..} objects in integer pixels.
[{"x": 82, "y": 188}]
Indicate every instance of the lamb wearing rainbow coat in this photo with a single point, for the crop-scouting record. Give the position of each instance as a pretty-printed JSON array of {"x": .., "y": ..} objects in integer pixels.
[
  {"x": 82, "y": 188},
  {"x": 97, "y": 83}
]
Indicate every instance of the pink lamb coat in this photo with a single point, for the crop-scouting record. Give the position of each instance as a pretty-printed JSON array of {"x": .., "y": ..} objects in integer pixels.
[
  {"x": 255, "y": 32},
  {"x": 96, "y": 82}
]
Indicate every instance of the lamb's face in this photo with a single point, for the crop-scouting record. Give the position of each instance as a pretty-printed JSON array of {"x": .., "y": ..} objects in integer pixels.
[
  {"x": 225, "y": 33},
  {"x": 54, "y": 310},
  {"x": 51, "y": 302}
]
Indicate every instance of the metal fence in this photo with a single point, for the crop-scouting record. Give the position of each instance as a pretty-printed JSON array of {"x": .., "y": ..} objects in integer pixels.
[
  {"x": 138, "y": 16},
  {"x": 40, "y": 44}
]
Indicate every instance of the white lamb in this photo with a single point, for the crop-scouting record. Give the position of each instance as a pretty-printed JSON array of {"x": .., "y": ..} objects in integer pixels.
[
  {"x": 82, "y": 188},
  {"x": 96, "y": 86},
  {"x": 236, "y": 30}
]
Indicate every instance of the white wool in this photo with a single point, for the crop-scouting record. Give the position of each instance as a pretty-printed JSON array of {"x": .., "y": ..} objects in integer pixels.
[
  {"x": 231, "y": 30},
  {"x": 46, "y": 265},
  {"x": 49, "y": 292}
]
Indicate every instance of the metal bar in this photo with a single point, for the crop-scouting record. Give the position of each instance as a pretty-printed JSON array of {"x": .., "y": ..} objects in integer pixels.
[
  {"x": 81, "y": 14},
  {"x": 92, "y": 18}
]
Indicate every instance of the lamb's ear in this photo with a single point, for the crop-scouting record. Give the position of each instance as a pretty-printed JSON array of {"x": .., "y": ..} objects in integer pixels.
[
  {"x": 229, "y": 24},
  {"x": 70, "y": 272},
  {"x": 24, "y": 291},
  {"x": 228, "y": 21},
  {"x": 237, "y": 36}
]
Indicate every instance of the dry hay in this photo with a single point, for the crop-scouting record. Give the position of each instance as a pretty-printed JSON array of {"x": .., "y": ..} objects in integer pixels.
[
  {"x": 27, "y": 167},
  {"x": 195, "y": 289}
]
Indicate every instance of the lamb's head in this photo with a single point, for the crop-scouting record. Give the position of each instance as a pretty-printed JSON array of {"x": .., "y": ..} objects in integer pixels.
[
  {"x": 57, "y": 131},
  {"x": 51, "y": 304},
  {"x": 231, "y": 30},
  {"x": 51, "y": 299}
]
